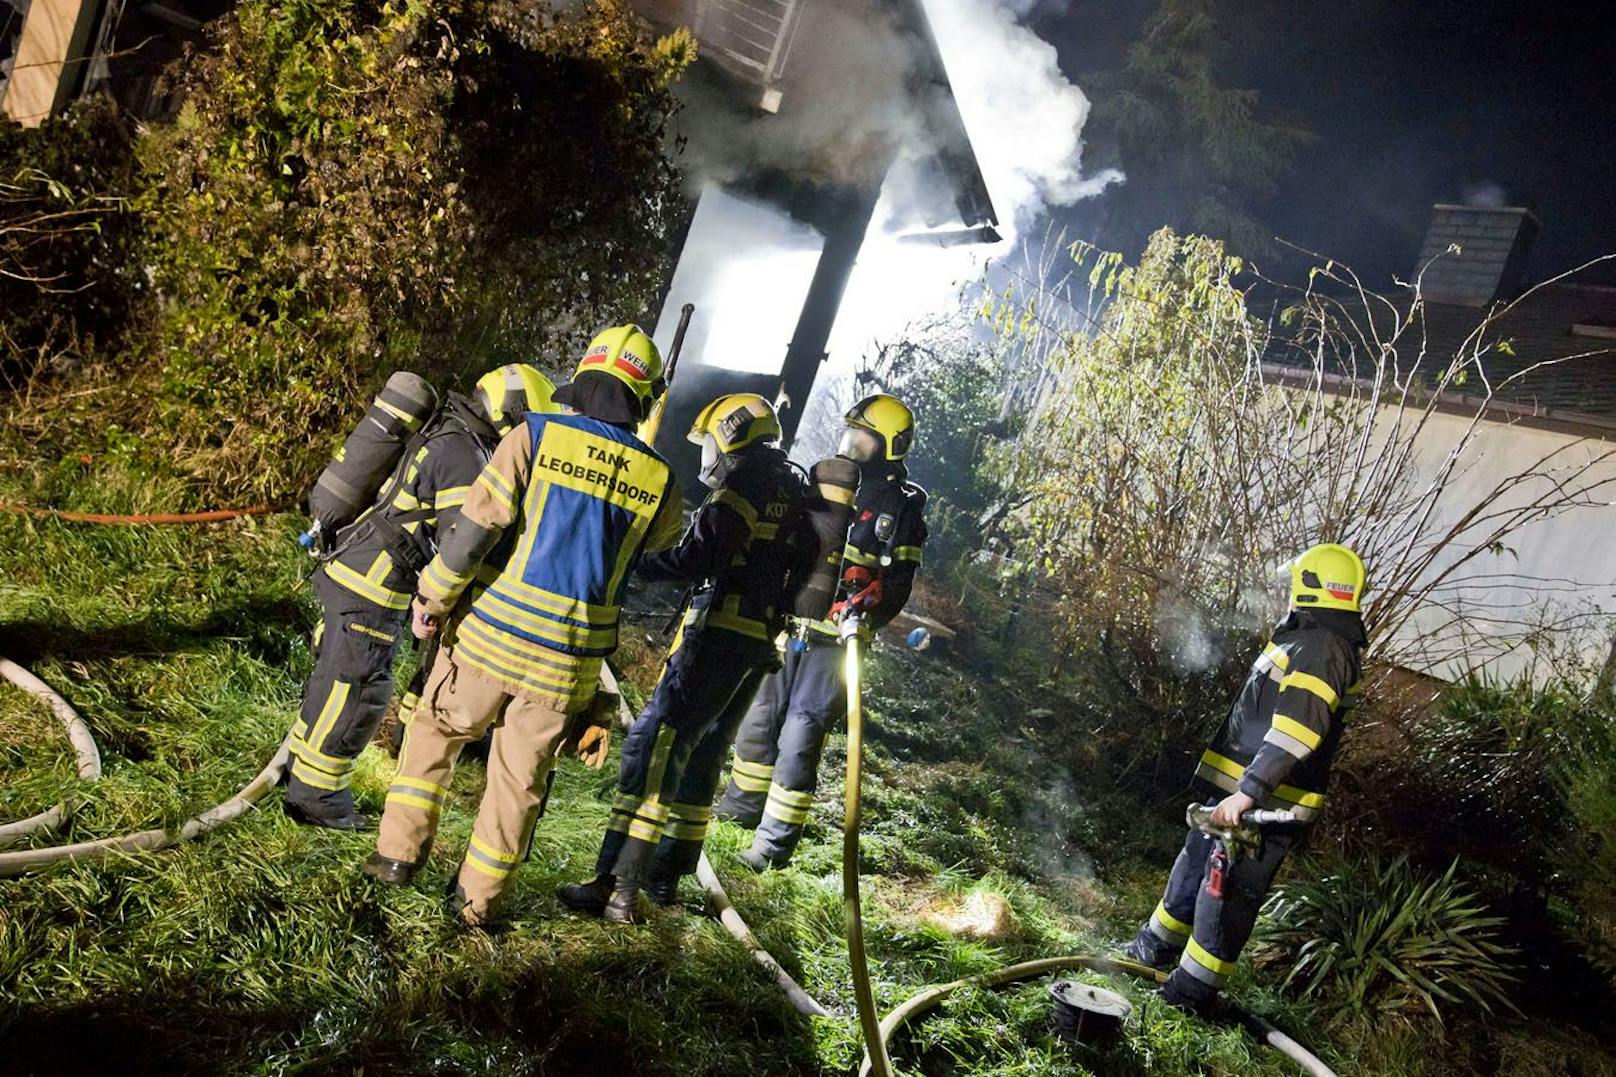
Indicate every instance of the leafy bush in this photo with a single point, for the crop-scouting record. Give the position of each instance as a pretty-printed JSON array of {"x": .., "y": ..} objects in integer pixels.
[
  {"x": 348, "y": 189},
  {"x": 69, "y": 285},
  {"x": 1382, "y": 940},
  {"x": 1501, "y": 756}
]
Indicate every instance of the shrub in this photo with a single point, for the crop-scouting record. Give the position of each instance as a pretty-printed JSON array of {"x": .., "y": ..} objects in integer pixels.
[
  {"x": 1501, "y": 757},
  {"x": 352, "y": 187},
  {"x": 69, "y": 286},
  {"x": 1382, "y": 940}
]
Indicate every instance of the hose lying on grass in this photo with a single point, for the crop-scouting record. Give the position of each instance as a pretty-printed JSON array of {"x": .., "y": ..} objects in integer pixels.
[
  {"x": 1028, "y": 970},
  {"x": 18, "y": 863},
  {"x": 802, "y": 1000},
  {"x": 89, "y": 756},
  {"x": 213, "y": 516}
]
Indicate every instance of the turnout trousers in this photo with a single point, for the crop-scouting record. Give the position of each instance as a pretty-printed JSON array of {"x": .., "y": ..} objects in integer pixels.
[
  {"x": 345, "y": 698},
  {"x": 1202, "y": 931},
  {"x": 674, "y": 751},
  {"x": 458, "y": 705},
  {"x": 779, "y": 744}
]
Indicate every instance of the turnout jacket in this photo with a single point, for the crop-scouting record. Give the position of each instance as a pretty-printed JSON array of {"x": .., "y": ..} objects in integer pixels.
[
  {"x": 740, "y": 546},
  {"x": 1279, "y": 738},
  {"x": 585, "y": 499},
  {"x": 380, "y": 554},
  {"x": 886, "y": 537}
]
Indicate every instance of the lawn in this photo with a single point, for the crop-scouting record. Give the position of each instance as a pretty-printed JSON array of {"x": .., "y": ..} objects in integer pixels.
[{"x": 260, "y": 949}]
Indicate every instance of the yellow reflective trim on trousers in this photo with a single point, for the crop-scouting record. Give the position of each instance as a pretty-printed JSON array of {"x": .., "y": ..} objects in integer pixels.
[
  {"x": 1292, "y": 728},
  {"x": 1208, "y": 960},
  {"x": 734, "y": 501},
  {"x": 318, "y": 778},
  {"x": 421, "y": 784},
  {"x": 474, "y": 861},
  {"x": 335, "y": 701},
  {"x": 1172, "y": 923},
  {"x": 748, "y": 784},
  {"x": 741, "y": 626},
  {"x": 791, "y": 796},
  {"x": 431, "y": 807},
  {"x": 762, "y": 770},
  {"x": 301, "y": 747},
  {"x": 1309, "y": 683},
  {"x": 336, "y": 769},
  {"x": 683, "y": 831},
  {"x": 366, "y": 630},
  {"x": 492, "y": 853},
  {"x": 344, "y": 576}
]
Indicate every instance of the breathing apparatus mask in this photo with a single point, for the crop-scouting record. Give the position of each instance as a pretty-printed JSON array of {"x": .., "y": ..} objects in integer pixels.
[
  {"x": 716, "y": 466},
  {"x": 860, "y": 446}
]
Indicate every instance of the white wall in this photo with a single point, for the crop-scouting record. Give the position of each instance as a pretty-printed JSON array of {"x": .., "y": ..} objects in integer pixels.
[{"x": 1556, "y": 570}]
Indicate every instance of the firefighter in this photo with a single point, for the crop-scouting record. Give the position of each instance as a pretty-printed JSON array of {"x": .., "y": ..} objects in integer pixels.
[
  {"x": 738, "y": 552},
  {"x": 778, "y": 746},
  {"x": 586, "y": 498},
  {"x": 1273, "y": 750},
  {"x": 364, "y": 586}
]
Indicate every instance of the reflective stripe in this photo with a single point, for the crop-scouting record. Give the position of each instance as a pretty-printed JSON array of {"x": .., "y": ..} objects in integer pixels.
[
  {"x": 907, "y": 553},
  {"x": 1170, "y": 923},
  {"x": 498, "y": 487},
  {"x": 431, "y": 789},
  {"x": 642, "y": 816},
  {"x": 309, "y": 775},
  {"x": 840, "y": 495},
  {"x": 689, "y": 822},
  {"x": 735, "y": 503},
  {"x": 788, "y": 805},
  {"x": 1287, "y": 744},
  {"x": 751, "y": 777},
  {"x": 1276, "y": 654},
  {"x": 853, "y": 555},
  {"x": 495, "y": 863},
  {"x": 364, "y": 587},
  {"x": 1297, "y": 731},
  {"x": 335, "y": 701},
  {"x": 431, "y": 807},
  {"x": 451, "y": 497},
  {"x": 1204, "y": 965},
  {"x": 1309, "y": 683},
  {"x": 1225, "y": 773}
]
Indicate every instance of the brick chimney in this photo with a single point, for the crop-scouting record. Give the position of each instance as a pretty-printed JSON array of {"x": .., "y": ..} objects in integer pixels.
[{"x": 1491, "y": 263}]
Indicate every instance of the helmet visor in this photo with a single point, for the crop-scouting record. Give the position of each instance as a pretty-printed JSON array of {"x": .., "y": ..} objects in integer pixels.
[
  {"x": 859, "y": 445},
  {"x": 712, "y": 463}
]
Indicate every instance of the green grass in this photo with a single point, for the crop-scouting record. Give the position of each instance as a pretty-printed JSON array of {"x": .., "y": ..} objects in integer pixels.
[{"x": 262, "y": 950}]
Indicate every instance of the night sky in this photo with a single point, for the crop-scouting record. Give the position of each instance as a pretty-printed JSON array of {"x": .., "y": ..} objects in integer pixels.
[{"x": 1414, "y": 103}]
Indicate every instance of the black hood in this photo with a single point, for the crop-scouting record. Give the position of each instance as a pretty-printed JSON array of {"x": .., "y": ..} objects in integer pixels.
[
  {"x": 1344, "y": 623},
  {"x": 601, "y": 396},
  {"x": 472, "y": 418}
]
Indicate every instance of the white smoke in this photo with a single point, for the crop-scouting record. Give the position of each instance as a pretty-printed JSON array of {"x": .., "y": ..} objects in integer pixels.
[
  {"x": 1488, "y": 194},
  {"x": 1025, "y": 120},
  {"x": 1024, "y": 116}
]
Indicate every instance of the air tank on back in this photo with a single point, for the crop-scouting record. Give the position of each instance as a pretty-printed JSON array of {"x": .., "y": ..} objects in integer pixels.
[
  {"x": 833, "y": 483},
  {"x": 350, "y": 481}
]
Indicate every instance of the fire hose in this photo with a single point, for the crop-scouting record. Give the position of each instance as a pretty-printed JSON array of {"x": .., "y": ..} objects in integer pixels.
[
  {"x": 210, "y": 517},
  {"x": 89, "y": 760},
  {"x": 78, "y": 733}
]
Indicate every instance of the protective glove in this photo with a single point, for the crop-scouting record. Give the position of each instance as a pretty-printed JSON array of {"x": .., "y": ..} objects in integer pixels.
[
  {"x": 422, "y": 624},
  {"x": 595, "y": 741},
  {"x": 865, "y": 593}
]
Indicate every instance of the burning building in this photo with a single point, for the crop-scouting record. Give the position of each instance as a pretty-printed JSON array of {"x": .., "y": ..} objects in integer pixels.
[{"x": 797, "y": 117}]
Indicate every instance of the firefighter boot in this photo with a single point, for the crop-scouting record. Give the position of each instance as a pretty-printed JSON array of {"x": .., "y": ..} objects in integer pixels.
[
  {"x": 333, "y": 813},
  {"x": 623, "y": 907},
  {"x": 757, "y": 861},
  {"x": 589, "y": 898},
  {"x": 663, "y": 889},
  {"x": 384, "y": 869}
]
